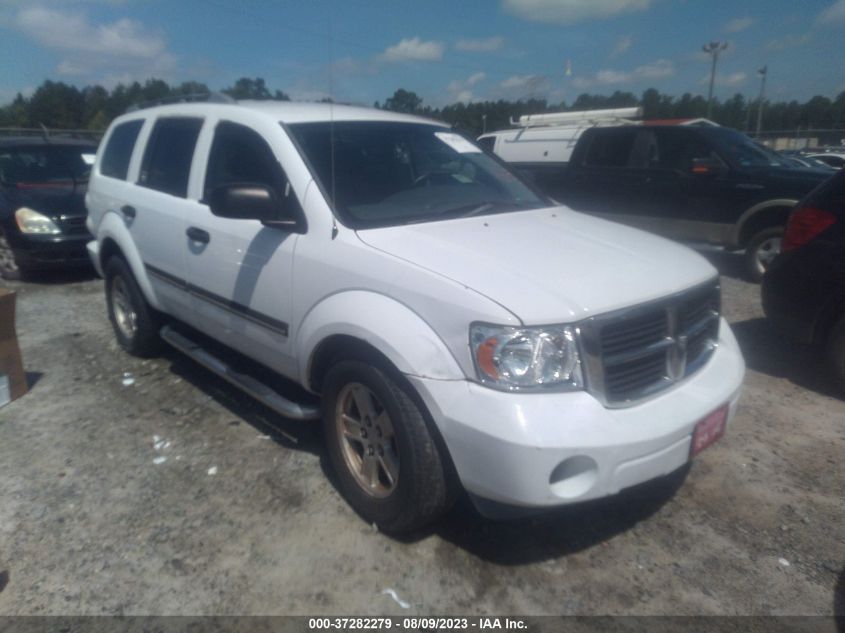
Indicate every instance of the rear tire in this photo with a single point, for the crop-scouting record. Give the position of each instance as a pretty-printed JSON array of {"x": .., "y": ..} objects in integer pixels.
[
  {"x": 10, "y": 268},
  {"x": 387, "y": 462},
  {"x": 136, "y": 324},
  {"x": 762, "y": 248},
  {"x": 835, "y": 352}
]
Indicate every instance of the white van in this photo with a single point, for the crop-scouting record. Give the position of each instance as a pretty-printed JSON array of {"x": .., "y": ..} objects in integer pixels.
[
  {"x": 543, "y": 141},
  {"x": 452, "y": 327}
]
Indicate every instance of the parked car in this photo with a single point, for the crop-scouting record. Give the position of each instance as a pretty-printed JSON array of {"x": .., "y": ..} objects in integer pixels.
[
  {"x": 832, "y": 159},
  {"x": 42, "y": 210},
  {"x": 692, "y": 183},
  {"x": 451, "y": 327},
  {"x": 804, "y": 289}
]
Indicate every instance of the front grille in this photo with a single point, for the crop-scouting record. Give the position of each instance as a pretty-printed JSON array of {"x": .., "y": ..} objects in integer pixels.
[
  {"x": 73, "y": 225},
  {"x": 637, "y": 352}
]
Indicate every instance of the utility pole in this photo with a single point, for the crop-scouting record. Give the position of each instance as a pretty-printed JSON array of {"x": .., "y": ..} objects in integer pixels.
[
  {"x": 762, "y": 72},
  {"x": 713, "y": 49}
]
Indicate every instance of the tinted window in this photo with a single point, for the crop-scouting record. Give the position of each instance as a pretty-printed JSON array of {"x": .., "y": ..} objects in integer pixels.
[
  {"x": 610, "y": 148},
  {"x": 381, "y": 174},
  {"x": 240, "y": 155},
  {"x": 118, "y": 150},
  {"x": 488, "y": 142},
  {"x": 676, "y": 149},
  {"x": 44, "y": 164},
  {"x": 167, "y": 159}
]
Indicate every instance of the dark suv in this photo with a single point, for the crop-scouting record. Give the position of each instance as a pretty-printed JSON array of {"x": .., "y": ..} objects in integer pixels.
[
  {"x": 42, "y": 203},
  {"x": 804, "y": 288},
  {"x": 693, "y": 183}
]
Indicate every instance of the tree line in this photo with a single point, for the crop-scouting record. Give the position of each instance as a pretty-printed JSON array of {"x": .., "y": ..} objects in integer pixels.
[{"x": 59, "y": 105}]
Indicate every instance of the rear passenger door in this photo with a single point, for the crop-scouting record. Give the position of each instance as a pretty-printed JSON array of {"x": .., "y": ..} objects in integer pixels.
[
  {"x": 240, "y": 271},
  {"x": 156, "y": 216},
  {"x": 605, "y": 183}
]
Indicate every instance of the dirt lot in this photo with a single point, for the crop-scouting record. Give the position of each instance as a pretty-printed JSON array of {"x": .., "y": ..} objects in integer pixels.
[{"x": 240, "y": 518}]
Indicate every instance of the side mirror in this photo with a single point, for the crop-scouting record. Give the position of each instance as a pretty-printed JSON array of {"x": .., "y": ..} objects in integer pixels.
[
  {"x": 248, "y": 201},
  {"x": 706, "y": 167}
]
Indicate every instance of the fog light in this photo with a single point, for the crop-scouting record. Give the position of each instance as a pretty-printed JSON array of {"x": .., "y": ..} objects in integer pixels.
[{"x": 574, "y": 477}]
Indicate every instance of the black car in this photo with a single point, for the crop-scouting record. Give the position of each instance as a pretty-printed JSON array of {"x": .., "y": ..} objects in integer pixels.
[
  {"x": 42, "y": 203},
  {"x": 804, "y": 288},
  {"x": 706, "y": 184}
]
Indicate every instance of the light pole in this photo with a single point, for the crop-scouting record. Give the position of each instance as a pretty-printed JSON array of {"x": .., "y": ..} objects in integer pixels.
[
  {"x": 762, "y": 72},
  {"x": 713, "y": 49}
]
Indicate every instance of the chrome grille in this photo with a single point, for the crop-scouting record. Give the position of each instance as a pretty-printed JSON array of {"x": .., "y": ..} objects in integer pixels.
[{"x": 634, "y": 353}]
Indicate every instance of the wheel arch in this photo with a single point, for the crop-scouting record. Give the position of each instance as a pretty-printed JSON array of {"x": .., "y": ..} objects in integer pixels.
[
  {"x": 376, "y": 326},
  {"x": 768, "y": 214},
  {"x": 114, "y": 239}
]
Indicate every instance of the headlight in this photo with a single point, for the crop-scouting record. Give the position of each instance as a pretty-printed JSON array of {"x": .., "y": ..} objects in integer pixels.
[
  {"x": 32, "y": 222},
  {"x": 526, "y": 358}
]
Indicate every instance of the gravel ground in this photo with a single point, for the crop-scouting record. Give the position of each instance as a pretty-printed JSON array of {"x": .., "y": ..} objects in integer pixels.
[{"x": 178, "y": 495}]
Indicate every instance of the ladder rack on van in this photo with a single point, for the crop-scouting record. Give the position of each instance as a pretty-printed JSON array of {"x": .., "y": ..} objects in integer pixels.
[{"x": 619, "y": 116}]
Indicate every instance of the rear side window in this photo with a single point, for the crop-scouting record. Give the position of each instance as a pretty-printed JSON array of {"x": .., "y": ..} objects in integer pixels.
[
  {"x": 167, "y": 159},
  {"x": 610, "y": 148},
  {"x": 118, "y": 151}
]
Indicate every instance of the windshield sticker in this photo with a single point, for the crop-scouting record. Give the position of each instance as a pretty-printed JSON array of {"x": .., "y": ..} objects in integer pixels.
[
  {"x": 457, "y": 143},
  {"x": 88, "y": 159}
]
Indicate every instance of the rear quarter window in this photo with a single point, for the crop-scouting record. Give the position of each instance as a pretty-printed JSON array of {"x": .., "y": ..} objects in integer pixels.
[
  {"x": 118, "y": 151},
  {"x": 610, "y": 148}
]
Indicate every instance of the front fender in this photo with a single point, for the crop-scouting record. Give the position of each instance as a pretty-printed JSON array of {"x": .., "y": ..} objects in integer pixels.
[
  {"x": 113, "y": 227},
  {"x": 392, "y": 328}
]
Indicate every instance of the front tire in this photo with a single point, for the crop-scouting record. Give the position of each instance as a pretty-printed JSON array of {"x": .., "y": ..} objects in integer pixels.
[
  {"x": 762, "y": 248},
  {"x": 136, "y": 324},
  {"x": 387, "y": 462}
]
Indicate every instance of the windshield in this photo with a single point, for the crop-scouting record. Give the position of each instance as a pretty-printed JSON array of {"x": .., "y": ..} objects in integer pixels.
[
  {"x": 45, "y": 164},
  {"x": 743, "y": 152},
  {"x": 386, "y": 174}
]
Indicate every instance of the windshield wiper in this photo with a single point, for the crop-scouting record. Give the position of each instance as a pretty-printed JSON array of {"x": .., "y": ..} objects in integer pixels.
[{"x": 477, "y": 208}]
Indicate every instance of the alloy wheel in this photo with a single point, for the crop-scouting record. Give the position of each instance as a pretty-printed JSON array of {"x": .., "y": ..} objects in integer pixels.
[{"x": 367, "y": 440}]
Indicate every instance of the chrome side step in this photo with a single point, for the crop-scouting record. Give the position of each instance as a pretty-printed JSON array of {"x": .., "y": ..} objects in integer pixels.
[{"x": 247, "y": 384}]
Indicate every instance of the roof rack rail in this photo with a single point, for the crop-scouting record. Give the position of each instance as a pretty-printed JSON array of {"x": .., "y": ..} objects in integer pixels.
[
  {"x": 577, "y": 118},
  {"x": 207, "y": 97}
]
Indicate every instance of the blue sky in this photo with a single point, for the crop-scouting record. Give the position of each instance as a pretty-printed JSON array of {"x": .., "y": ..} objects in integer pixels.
[{"x": 362, "y": 50}]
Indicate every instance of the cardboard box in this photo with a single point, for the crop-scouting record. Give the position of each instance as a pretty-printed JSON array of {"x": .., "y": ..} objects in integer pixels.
[{"x": 11, "y": 364}]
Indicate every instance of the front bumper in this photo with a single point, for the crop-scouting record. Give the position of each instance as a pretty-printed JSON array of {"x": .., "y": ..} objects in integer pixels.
[
  {"x": 544, "y": 450},
  {"x": 44, "y": 251}
]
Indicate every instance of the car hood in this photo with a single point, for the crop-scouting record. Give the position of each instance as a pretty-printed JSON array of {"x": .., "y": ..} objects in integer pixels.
[
  {"x": 547, "y": 265},
  {"x": 59, "y": 200}
]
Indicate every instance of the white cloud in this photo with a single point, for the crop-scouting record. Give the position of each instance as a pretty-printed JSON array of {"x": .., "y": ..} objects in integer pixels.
[
  {"x": 738, "y": 24},
  {"x": 787, "y": 42},
  {"x": 622, "y": 45},
  {"x": 517, "y": 81},
  {"x": 732, "y": 79},
  {"x": 65, "y": 31},
  {"x": 833, "y": 15},
  {"x": 413, "y": 49},
  {"x": 570, "y": 11},
  {"x": 461, "y": 89},
  {"x": 487, "y": 45},
  {"x": 660, "y": 69},
  {"x": 125, "y": 48}
]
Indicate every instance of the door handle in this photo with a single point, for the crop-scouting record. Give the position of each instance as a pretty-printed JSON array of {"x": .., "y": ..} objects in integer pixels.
[
  {"x": 128, "y": 211},
  {"x": 198, "y": 235}
]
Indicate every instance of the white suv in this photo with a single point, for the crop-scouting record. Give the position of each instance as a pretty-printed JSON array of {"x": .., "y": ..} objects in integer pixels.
[{"x": 452, "y": 329}]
